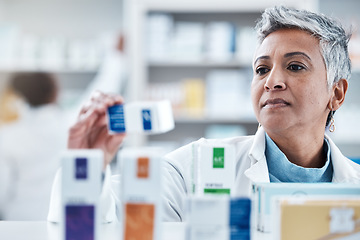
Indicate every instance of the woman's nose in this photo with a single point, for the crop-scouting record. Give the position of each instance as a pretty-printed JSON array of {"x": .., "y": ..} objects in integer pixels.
[{"x": 275, "y": 80}]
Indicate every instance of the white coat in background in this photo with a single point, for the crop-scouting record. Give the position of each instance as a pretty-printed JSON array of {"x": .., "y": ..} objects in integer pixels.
[
  {"x": 251, "y": 166},
  {"x": 29, "y": 151}
]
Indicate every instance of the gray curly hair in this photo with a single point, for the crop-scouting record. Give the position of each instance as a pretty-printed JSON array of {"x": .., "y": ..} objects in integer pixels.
[{"x": 332, "y": 37}]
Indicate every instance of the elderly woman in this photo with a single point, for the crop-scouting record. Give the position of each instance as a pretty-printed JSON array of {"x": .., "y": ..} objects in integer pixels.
[{"x": 301, "y": 67}]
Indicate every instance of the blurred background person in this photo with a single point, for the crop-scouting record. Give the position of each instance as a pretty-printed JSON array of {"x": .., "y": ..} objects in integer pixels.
[
  {"x": 29, "y": 147},
  {"x": 35, "y": 132}
]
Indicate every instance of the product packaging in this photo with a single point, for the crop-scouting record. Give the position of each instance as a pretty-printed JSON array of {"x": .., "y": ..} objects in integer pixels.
[
  {"x": 320, "y": 217},
  {"x": 264, "y": 192},
  {"x": 81, "y": 188},
  {"x": 141, "y": 193},
  {"x": 213, "y": 168},
  {"x": 218, "y": 217},
  {"x": 141, "y": 117}
]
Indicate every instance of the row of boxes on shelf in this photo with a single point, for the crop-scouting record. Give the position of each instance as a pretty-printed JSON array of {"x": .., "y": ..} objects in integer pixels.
[
  {"x": 288, "y": 211},
  {"x": 168, "y": 39},
  {"x": 223, "y": 94},
  {"x": 141, "y": 196},
  {"x": 31, "y": 52}
]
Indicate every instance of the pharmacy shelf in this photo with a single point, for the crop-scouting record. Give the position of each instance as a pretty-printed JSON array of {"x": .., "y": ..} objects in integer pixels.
[
  {"x": 214, "y": 6},
  {"x": 56, "y": 70},
  {"x": 146, "y": 70},
  {"x": 215, "y": 120},
  {"x": 199, "y": 63}
]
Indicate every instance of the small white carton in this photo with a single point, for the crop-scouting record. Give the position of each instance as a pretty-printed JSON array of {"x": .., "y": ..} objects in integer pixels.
[
  {"x": 141, "y": 192},
  {"x": 218, "y": 217},
  {"x": 81, "y": 188},
  {"x": 149, "y": 117},
  {"x": 214, "y": 168}
]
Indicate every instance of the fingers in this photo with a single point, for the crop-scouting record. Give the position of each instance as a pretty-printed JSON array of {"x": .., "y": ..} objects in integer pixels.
[
  {"x": 99, "y": 103},
  {"x": 107, "y": 99}
]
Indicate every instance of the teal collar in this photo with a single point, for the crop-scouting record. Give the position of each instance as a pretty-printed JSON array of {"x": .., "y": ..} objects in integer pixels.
[{"x": 282, "y": 170}]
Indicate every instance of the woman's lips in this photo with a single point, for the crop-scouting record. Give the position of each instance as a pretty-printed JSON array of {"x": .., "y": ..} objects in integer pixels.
[{"x": 275, "y": 103}]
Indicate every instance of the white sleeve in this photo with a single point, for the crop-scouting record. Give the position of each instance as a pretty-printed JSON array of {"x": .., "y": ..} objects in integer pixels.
[
  {"x": 177, "y": 184},
  {"x": 107, "y": 203},
  {"x": 174, "y": 193},
  {"x": 54, "y": 214}
]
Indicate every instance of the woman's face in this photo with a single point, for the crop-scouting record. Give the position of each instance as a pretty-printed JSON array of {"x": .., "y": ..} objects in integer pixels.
[{"x": 289, "y": 89}]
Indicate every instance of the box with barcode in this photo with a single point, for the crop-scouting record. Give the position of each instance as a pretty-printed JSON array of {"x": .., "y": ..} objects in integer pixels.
[
  {"x": 263, "y": 194},
  {"x": 317, "y": 217},
  {"x": 141, "y": 192},
  {"x": 214, "y": 168},
  {"x": 81, "y": 188}
]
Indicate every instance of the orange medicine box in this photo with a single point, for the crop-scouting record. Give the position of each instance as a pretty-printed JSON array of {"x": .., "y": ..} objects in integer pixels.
[
  {"x": 141, "y": 192},
  {"x": 330, "y": 217}
]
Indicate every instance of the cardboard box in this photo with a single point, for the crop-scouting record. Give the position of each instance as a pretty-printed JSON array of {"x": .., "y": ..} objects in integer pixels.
[
  {"x": 141, "y": 192},
  {"x": 81, "y": 188},
  {"x": 325, "y": 217},
  {"x": 264, "y": 192}
]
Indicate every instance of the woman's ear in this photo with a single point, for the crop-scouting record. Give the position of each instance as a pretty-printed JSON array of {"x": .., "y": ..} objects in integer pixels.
[{"x": 338, "y": 94}]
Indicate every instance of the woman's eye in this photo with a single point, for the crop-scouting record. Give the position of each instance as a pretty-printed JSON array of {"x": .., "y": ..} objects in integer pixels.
[
  {"x": 295, "y": 67},
  {"x": 261, "y": 70}
]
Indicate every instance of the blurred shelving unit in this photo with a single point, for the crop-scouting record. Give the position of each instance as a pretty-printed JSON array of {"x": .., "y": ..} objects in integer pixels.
[
  {"x": 178, "y": 51},
  {"x": 347, "y": 133},
  {"x": 68, "y": 38}
]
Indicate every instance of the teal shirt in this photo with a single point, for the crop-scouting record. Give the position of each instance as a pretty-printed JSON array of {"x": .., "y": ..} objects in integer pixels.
[{"x": 282, "y": 170}]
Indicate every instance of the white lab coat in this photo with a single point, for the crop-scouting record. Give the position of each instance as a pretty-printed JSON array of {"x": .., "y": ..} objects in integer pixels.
[
  {"x": 29, "y": 159},
  {"x": 251, "y": 167}
]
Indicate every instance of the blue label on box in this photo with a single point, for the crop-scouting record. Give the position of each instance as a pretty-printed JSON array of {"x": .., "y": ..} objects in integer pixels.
[
  {"x": 79, "y": 222},
  {"x": 240, "y": 211},
  {"x": 239, "y": 234},
  {"x": 81, "y": 168},
  {"x": 146, "y": 116},
  {"x": 116, "y": 118}
]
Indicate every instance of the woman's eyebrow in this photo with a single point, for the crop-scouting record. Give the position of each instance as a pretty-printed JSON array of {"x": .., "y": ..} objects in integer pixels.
[
  {"x": 261, "y": 57},
  {"x": 291, "y": 54}
]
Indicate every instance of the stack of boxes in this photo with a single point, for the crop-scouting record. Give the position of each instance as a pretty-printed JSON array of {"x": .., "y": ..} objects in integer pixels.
[
  {"x": 140, "y": 168},
  {"x": 212, "y": 212},
  {"x": 264, "y": 194}
]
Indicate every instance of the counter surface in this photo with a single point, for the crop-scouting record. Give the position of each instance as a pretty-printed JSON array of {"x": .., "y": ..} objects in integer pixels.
[{"x": 19, "y": 230}]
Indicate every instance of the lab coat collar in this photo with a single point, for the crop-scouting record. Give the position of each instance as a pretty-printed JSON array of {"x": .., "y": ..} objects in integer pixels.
[
  {"x": 258, "y": 171},
  {"x": 343, "y": 171}
]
